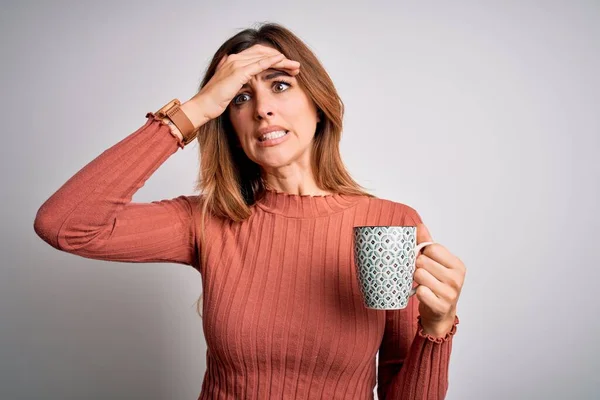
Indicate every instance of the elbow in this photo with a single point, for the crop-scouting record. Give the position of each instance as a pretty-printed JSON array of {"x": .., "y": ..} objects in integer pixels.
[{"x": 45, "y": 228}]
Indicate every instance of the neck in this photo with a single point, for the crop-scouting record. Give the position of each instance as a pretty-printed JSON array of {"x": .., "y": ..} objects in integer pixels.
[
  {"x": 304, "y": 206},
  {"x": 303, "y": 184}
]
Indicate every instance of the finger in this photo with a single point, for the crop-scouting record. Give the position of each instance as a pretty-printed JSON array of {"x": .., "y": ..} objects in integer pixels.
[
  {"x": 261, "y": 65},
  {"x": 286, "y": 63},
  {"x": 243, "y": 61},
  {"x": 237, "y": 63},
  {"x": 439, "y": 271},
  {"x": 258, "y": 51},
  {"x": 441, "y": 290},
  {"x": 427, "y": 297},
  {"x": 442, "y": 256}
]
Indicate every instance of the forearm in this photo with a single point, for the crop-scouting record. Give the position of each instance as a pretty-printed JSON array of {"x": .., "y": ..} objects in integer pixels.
[
  {"x": 88, "y": 202},
  {"x": 424, "y": 372}
]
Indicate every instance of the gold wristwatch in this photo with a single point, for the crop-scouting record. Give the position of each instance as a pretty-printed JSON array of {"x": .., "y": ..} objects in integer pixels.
[{"x": 172, "y": 111}]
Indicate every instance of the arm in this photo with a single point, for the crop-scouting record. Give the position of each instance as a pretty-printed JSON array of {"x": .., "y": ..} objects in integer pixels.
[
  {"x": 412, "y": 364},
  {"x": 92, "y": 215}
]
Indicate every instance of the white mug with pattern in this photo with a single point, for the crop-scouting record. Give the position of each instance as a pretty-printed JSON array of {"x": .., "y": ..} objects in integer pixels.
[{"x": 385, "y": 258}]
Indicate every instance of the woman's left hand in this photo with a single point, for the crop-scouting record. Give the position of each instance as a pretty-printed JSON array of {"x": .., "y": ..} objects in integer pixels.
[{"x": 440, "y": 275}]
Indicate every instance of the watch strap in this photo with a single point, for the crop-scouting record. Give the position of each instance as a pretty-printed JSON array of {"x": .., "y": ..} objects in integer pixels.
[{"x": 172, "y": 111}]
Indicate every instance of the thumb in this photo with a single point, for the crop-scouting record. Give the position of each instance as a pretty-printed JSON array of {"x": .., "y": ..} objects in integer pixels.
[{"x": 423, "y": 234}]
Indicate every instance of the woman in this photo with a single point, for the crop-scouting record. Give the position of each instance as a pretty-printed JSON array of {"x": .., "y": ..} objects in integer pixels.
[{"x": 270, "y": 234}]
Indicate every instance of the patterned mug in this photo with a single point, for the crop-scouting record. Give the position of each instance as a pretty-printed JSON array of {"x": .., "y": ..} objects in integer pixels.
[{"x": 385, "y": 259}]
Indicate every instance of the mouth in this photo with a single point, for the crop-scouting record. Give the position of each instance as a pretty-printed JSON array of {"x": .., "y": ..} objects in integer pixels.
[{"x": 272, "y": 136}]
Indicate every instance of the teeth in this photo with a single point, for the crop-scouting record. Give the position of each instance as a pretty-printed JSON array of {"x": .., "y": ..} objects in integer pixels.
[{"x": 272, "y": 135}]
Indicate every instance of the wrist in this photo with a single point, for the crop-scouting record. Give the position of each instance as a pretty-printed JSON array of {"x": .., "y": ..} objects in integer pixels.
[
  {"x": 438, "y": 329},
  {"x": 174, "y": 130},
  {"x": 194, "y": 111}
]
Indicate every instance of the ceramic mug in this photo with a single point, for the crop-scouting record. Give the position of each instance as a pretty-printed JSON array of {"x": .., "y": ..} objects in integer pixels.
[{"x": 385, "y": 259}]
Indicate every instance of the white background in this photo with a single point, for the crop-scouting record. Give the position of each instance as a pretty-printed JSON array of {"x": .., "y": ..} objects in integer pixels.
[{"x": 483, "y": 116}]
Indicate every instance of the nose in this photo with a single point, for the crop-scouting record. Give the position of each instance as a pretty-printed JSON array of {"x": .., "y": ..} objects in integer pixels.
[{"x": 264, "y": 107}]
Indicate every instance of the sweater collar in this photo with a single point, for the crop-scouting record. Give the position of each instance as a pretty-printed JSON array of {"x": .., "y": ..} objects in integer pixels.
[{"x": 304, "y": 206}]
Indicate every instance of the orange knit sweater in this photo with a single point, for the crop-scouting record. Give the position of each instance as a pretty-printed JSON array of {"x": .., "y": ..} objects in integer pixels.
[{"x": 283, "y": 315}]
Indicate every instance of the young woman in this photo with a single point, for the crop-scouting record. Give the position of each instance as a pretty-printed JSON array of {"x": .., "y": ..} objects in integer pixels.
[{"x": 270, "y": 232}]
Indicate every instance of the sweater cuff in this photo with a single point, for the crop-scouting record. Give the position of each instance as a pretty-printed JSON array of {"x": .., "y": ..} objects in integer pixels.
[
  {"x": 434, "y": 339},
  {"x": 162, "y": 123}
]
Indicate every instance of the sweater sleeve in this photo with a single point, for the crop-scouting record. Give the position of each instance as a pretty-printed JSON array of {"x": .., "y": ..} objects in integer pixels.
[
  {"x": 92, "y": 215},
  {"x": 412, "y": 365}
]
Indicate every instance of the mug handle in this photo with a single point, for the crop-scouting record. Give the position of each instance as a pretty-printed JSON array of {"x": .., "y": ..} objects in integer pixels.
[{"x": 418, "y": 249}]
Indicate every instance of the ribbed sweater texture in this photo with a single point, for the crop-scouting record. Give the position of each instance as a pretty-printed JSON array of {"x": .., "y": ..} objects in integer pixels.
[{"x": 283, "y": 315}]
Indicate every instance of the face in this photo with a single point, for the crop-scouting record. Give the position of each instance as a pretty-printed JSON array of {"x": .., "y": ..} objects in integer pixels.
[{"x": 274, "y": 99}]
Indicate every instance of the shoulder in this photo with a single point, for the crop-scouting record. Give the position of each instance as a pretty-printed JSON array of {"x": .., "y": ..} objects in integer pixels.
[
  {"x": 194, "y": 204},
  {"x": 191, "y": 202},
  {"x": 392, "y": 212}
]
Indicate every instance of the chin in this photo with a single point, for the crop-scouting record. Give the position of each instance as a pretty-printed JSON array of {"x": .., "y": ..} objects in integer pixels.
[
  {"x": 279, "y": 158},
  {"x": 274, "y": 162}
]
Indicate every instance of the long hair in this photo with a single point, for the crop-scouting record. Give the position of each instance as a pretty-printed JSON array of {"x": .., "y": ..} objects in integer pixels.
[{"x": 229, "y": 182}]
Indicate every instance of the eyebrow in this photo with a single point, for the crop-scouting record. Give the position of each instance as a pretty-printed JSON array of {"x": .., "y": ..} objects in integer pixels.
[{"x": 270, "y": 76}]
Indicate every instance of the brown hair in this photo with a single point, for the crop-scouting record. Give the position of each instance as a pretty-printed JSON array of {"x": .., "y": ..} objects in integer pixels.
[{"x": 229, "y": 182}]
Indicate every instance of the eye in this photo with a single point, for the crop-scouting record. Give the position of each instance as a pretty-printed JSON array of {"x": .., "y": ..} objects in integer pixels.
[
  {"x": 278, "y": 87},
  {"x": 236, "y": 98},
  {"x": 279, "y": 84}
]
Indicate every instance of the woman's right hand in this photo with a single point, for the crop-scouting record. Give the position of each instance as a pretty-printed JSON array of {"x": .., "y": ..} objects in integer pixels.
[{"x": 235, "y": 70}]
